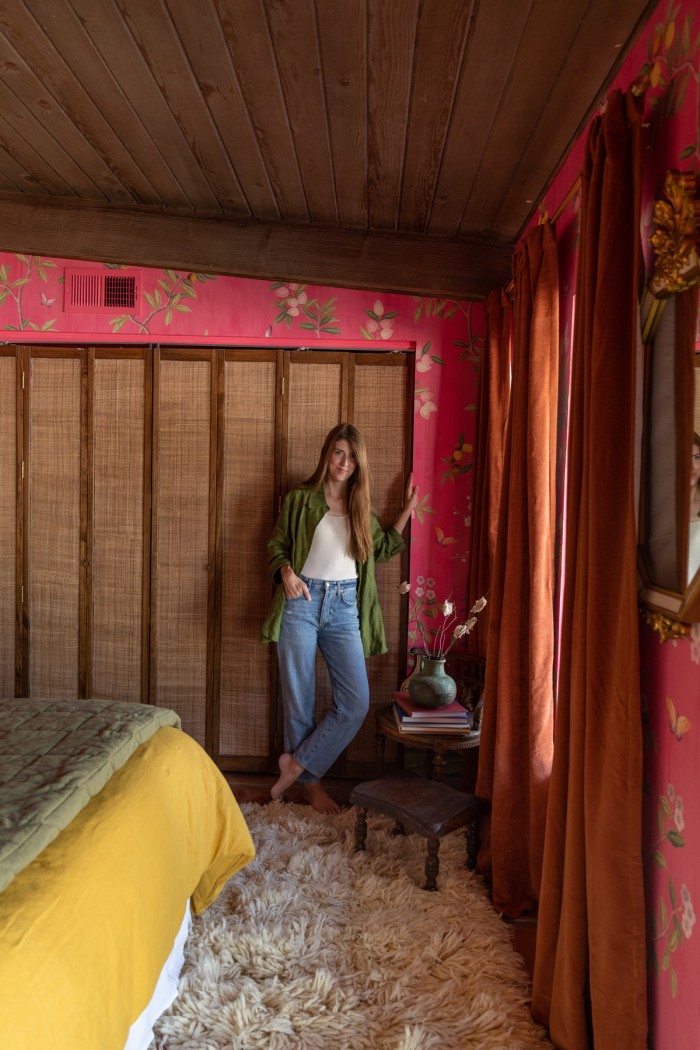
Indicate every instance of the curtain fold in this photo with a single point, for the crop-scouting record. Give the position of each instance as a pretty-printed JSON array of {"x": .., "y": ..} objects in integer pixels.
[
  {"x": 590, "y": 974},
  {"x": 494, "y": 400},
  {"x": 516, "y": 738}
]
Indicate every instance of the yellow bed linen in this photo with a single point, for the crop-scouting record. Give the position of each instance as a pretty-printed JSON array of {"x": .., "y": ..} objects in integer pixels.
[{"x": 86, "y": 928}]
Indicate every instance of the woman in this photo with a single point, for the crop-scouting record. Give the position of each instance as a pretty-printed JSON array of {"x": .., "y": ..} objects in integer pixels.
[
  {"x": 694, "y": 529},
  {"x": 322, "y": 554}
]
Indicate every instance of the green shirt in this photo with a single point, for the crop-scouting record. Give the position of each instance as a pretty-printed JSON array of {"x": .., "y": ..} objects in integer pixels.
[{"x": 290, "y": 544}]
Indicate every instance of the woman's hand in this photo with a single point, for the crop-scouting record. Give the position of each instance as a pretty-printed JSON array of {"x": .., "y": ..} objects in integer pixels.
[
  {"x": 411, "y": 501},
  {"x": 409, "y": 505},
  {"x": 294, "y": 587}
]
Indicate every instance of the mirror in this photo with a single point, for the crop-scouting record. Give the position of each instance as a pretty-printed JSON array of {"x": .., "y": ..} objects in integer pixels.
[{"x": 669, "y": 521}]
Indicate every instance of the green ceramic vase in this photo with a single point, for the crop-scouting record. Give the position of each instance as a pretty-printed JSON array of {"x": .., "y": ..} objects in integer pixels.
[{"x": 432, "y": 686}]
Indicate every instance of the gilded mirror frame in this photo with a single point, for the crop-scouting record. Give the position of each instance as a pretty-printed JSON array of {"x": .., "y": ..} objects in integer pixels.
[{"x": 669, "y": 332}]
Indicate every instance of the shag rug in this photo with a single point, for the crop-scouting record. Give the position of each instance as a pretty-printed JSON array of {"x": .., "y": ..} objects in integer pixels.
[{"x": 316, "y": 947}]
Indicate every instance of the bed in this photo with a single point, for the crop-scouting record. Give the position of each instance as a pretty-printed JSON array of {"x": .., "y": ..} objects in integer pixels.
[{"x": 113, "y": 824}]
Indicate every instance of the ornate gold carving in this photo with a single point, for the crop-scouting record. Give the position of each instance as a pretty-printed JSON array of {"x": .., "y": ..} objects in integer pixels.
[
  {"x": 674, "y": 240},
  {"x": 666, "y": 628}
]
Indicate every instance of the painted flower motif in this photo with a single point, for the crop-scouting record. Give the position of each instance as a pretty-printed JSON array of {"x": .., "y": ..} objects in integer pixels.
[
  {"x": 430, "y": 595},
  {"x": 478, "y": 606},
  {"x": 284, "y": 291},
  {"x": 423, "y": 404},
  {"x": 678, "y": 814},
  {"x": 404, "y": 587},
  {"x": 671, "y": 792},
  {"x": 420, "y": 591},
  {"x": 423, "y": 365},
  {"x": 688, "y": 918},
  {"x": 419, "y": 579},
  {"x": 447, "y": 608},
  {"x": 380, "y": 329},
  {"x": 381, "y": 323}
]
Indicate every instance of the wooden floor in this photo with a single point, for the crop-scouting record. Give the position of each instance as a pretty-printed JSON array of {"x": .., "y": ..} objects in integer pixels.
[{"x": 256, "y": 788}]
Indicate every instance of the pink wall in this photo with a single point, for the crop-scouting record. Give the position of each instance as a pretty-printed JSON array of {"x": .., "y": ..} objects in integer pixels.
[
  {"x": 665, "y": 60},
  {"x": 198, "y": 309}
]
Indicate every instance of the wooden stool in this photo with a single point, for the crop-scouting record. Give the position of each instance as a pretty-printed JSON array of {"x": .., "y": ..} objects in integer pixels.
[{"x": 425, "y": 807}]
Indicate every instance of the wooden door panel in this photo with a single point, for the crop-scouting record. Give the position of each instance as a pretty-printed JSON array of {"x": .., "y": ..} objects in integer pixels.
[
  {"x": 182, "y": 560},
  {"x": 382, "y": 405},
  {"x": 119, "y": 532},
  {"x": 53, "y": 588},
  {"x": 8, "y": 522},
  {"x": 249, "y": 492}
]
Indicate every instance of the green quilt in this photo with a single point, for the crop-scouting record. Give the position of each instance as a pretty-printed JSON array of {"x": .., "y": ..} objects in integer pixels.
[{"x": 55, "y": 755}]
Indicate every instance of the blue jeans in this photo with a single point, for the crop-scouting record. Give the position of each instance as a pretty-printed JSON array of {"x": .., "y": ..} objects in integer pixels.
[{"x": 331, "y": 622}]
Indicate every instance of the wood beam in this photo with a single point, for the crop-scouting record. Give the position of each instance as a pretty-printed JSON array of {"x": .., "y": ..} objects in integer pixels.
[{"x": 387, "y": 262}]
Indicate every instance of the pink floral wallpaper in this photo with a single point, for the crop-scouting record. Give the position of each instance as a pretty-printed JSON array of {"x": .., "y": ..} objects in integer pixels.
[
  {"x": 665, "y": 65},
  {"x": 202, "y": 309}
]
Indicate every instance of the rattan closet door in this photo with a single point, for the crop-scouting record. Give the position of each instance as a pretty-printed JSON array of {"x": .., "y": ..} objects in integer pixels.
[
  {"x": 183, "y": 547},
  {"x": 119, "y": 497},
  {"x": 249, "y": 488},
  {"x": 9, "y": 504},
  {"x": 382, "y": 408},
  {"x": 55, "y": 554}
]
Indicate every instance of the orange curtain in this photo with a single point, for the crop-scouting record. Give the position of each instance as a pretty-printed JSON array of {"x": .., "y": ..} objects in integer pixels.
[
  {"x": 590, "y": 974},
  {"x": 516, "y": 737},
  {"x": 494, "y": 399}
]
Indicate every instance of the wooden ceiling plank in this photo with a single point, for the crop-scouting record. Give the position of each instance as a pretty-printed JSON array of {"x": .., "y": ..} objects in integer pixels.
[
  {"x": 14, "y": 178},
  {"x": 390, "y": 52},
  {"x": 495, "y": 30},
  {"x": 519, "y": 109},
  {"x": 415, "y": 264},
  {"x": 596, "y": 53},
  {"x": 42, "y": 151},
  {"x": 246, "y": 30},
  {"x": 442, "y": 31},
  {"x": 294, "y": 35},
  {"x": 105, "y": 59},
  {"x": 207, "y": 50},
  {"x": 29, "y": 160},
  {"x": 95, "y": 147},
  {"x": 155, "y": 36},
  {"x": 344, "y": 66}
]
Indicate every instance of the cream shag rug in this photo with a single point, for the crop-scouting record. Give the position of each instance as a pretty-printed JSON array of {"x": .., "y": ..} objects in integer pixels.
[{"x": 313, "y": 946}]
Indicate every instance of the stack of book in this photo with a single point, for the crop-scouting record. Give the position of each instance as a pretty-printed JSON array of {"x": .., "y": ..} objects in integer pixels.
[{"x": 411, "y": 718}]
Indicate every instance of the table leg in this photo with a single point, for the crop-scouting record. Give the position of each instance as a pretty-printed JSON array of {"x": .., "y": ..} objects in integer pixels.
[
  {"x": 473, "y": 843},
  {"x": 432, "y": 864},
  {"x": 380, "y": 741},
  {"x": 438, "y": 765},
  {"x": 360, "y": 829}
]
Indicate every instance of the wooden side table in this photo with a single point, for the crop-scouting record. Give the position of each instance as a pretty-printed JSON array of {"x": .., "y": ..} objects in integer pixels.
[{"x": 439, "y": 743}]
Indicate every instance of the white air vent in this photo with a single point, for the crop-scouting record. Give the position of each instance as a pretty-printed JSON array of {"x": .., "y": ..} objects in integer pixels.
[{"x": 97, "y": 291}]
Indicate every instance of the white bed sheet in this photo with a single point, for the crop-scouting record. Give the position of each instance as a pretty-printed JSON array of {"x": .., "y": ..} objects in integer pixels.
[{"x": 141, "y": 1031}]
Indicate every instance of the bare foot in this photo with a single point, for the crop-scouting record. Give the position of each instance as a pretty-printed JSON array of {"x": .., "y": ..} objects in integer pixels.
[
  {"x": 317, "y": 797},
  {"x": 290, "y": 770}
]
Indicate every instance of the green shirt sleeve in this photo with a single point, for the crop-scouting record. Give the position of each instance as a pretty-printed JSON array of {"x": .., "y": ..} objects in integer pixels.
[{"x": 385, "y": 544}]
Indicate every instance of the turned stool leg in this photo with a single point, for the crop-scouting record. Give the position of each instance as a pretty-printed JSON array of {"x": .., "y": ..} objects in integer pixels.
[
  {"x": 432, "y": 864},
  {"x": 360, "y": 829},
  {"x": 472, "y": 844},
  {"x": 380, "y": 744}
]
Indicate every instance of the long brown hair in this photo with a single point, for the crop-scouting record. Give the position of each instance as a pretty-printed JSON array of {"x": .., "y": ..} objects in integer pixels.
[{"x": 359, "y": 484}]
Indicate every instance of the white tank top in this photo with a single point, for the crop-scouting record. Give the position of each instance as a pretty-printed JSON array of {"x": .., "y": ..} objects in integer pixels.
[{"x": 328, "y": 558}]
